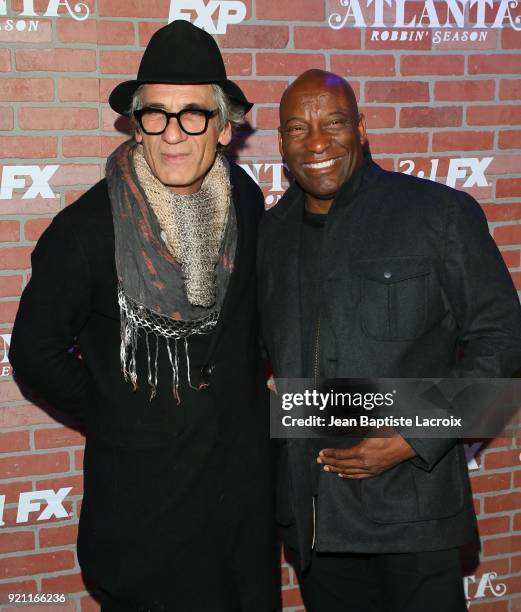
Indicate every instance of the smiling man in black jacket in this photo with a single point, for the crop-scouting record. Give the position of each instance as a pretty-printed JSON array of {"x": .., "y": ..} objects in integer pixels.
[
  {"x": 371, "y": 274},
  {"x": 152, "y": 271}
]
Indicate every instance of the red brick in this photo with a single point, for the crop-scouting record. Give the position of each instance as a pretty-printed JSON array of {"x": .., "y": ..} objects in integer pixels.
[
  {"x": 516, "y": 279},
  {"x": 494, "y": 525},
  {"x": 509, "y": 139},
  {"x": 431, "y": 116},
  {"x": 379, "y": 116},
  {"x": 517, "y": 485},
  {"x": 137, "y": 8},
  {"x": 58, "y": 536},
  {"x": 263, "y": 91},
  {"x": 145, "y": 31},
  {"x": 54, "y": 438},
  {"x": 18, "y": 540},
  {"x": 502, "y": 212},
  {"x": 69, "y": 583},
  {"x": 10, "y": 286},
  {"x": 25, "y": 586},
  {"x": 484, "y": 483},
  {"x": 273, "y": 64},
  {"x": 453, "y": 40},
  {"x": 303, "y": 10},
  {"x": 8, "y": 311},
  {"x": 5, "y": 60},
  {"x": 42, "y": 34},
  {"x": 502, "y": 459},
  {"x": 267, "y": 118},
  {"x": 463, "y": 90},
  {"x": 502, "y": 503},
  {"x": 11, "y": 441},
  {"x": 20, "y": 416},
  {"x": 510, "y": 39},
  {"x": 462, "y": 141},
  {"x": 16, "y": 89},
  {"x": 500, "y": 566},
  {"x": 256, "y": 37},
  {"x": 78, "y": 459},
  {"x": 109, "y": 143},
  {"x": 105, "y": 88},
  {"x": 89, "y": 604},
  {"x": 115, "y": 33},
  {"x": 256, "y": 145},
  {"x": 28, "y": 565},
  {"x": 325, "y": 38},
  {"x": 79, "y": 89},
  {"x": 237, "y": 64},
  {"x": 6, "y": 118},
  {"x": 16, "y": 258},
  {"x": 363, "y": 65},
  {"x": 490, "y": 606},
  {"x": 510, "y": 89},
  {"x": 29, "y": 147},
  {"x": 10, "y": 392},
  {"x": 120, "y": 62},
  {"x": 512, "y": 258},
  {"x": 506, "y": 188},
  {"x": 291, "y": 598},
  {"x": 9, "y": 231},
  {"x": 432, "y": 64},
  {"x": 499, "y": 546},
  {"x": 72, "y": 31},
  {"x": 81, "y": 146},
  {"x": 29, "y": 465},
  {"x": 509, "y": 114},
  {"x": 505, "y": 164},
  {"x": 56, "y": 60},
  {"x": 373, "y": 40},
  {"x": 34, "y": 228},
  {"x": 76, "y": 174},
  {"x": 414, "y": 142},
  {"x": 493, "y": 64},
  {"x": 395, "y": 91},
  {"x": 58, "y": 118}
]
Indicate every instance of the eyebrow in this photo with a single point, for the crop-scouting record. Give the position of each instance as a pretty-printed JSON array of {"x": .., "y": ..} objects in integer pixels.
[
  {"x": 189, "y": 106},
  {"x": 338, "y": 112}
]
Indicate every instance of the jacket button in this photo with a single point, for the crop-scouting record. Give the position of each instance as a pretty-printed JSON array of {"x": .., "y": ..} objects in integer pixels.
[
  {"x": 207, "y": 370},
  {"x": 387, "y": 274}
]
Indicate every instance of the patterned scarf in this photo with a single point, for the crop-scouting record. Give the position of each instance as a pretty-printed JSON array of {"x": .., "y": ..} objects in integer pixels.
[{"x": 174, "y": 257}]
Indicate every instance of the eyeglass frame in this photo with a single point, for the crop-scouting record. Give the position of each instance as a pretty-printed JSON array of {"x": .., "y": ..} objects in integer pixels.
[{"x": 208, "y": 114}]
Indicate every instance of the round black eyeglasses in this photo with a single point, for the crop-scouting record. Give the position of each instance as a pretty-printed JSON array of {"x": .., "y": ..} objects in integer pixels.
[{"x": 192, "y": 121}]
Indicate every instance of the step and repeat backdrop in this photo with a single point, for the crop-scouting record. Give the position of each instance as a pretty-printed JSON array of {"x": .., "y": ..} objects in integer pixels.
[{"x": 440, "y": 85}]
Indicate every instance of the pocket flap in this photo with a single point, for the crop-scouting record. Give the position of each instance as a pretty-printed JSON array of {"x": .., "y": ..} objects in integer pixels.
[{"x": 393, "y": 269}]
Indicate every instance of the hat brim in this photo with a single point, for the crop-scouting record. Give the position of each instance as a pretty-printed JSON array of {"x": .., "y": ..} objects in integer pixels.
[{"x": 121, "y": 96}]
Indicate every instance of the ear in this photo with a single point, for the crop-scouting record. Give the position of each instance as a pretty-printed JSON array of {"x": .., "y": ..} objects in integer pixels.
[
  {"x": 225, "y": 135},
  {"x": 138, "y": 136},
  {"x": 281, "y": 146},
  {"x": 361, "y": 128}
]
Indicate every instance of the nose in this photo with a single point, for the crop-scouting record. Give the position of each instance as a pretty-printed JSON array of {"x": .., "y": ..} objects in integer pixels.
[
  {"x": 173, "y": 132},
  {"x": 318, "y": 140}
]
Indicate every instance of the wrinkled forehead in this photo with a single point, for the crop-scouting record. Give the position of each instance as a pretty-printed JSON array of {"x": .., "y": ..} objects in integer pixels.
[{"x": 310, "y": 98}]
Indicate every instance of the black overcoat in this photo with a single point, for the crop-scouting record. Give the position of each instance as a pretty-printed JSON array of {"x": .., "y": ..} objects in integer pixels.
[
  {"x": 412, "y": 286},
  {"x": 177, "y": 505}
]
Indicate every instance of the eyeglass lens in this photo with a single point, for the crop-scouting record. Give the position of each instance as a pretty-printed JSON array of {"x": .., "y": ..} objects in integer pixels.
[{"x": 154, "y": 121}]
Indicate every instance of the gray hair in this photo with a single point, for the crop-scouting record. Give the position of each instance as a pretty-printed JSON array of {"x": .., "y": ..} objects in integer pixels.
[{"x": 229, "y": 110}]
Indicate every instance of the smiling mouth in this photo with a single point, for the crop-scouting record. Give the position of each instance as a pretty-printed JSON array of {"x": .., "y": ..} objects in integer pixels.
[{"x": 323, "y": 164}]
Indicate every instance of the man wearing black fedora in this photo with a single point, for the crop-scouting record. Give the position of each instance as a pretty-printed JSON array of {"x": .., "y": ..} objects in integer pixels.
[{"x": 151, "y": 274}]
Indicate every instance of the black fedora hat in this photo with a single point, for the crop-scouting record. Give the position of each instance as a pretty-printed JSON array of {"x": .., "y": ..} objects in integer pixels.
[{"x": 178, "y": 53}]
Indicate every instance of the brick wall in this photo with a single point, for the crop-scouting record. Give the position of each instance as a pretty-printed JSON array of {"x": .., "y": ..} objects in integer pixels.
[{"x": 438, "y": 106}]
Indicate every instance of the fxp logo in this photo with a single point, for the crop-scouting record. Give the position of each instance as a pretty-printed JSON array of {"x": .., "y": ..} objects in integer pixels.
[{"x": 226, "y": 12}]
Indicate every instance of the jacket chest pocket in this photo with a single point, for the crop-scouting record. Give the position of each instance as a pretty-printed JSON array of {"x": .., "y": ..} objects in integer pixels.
[{"x": 393, "y": 300}]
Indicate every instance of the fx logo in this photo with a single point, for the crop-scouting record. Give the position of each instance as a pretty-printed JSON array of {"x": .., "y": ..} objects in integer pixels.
[
  {"x": 230, "y": 12},
  {"x": 459, "y": 169},
  {"x": 14, "y": 177},
  {"x": 31, "y": 501}
]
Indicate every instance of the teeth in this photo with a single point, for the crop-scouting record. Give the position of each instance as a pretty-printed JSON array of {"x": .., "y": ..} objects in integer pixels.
[{"x": 324, "y": 164}]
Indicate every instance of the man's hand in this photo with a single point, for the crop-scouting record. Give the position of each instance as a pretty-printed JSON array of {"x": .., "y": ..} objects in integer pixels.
[{"x": 370, "y": 457}]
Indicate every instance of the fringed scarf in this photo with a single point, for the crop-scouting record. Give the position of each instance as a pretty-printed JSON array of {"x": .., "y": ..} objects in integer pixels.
[{"x": 174, "y": 257}]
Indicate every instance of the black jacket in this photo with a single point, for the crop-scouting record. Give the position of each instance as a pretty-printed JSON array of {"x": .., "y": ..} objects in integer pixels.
[
  {"x": 410, "y": 280},
  {"x": 174, "y": 494}
]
